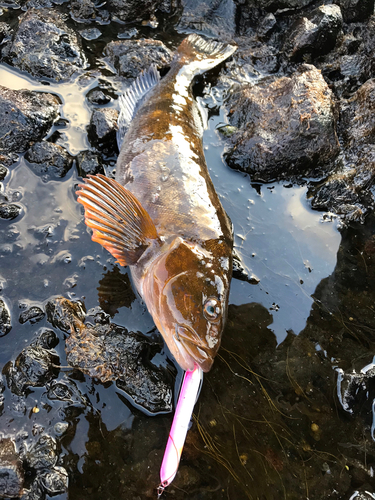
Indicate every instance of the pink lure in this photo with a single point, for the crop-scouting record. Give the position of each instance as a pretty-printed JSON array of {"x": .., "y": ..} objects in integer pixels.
[{"x": 180, "y": 424}]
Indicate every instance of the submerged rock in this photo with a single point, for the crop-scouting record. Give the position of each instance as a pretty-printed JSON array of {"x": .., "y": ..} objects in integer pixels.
[
  {"x": 44, "y": 46},
  {"x": 87, "y": 11},
  {"x": 130, "y": 57},
  {"x": 212, "y": 17},
  {"x": 11, "y": 470},
  {"x": 286, "y": 126},
  {"x": 33, "y": 367},
  {"x": 25, "y": 116},
  {"x": 110, "y": 353},
  {"x": 43, "y": 454},
  {"x": 315, "y": 34},
  {"x": 48, "y": 158},
  {"x": 55, "y": 481},
  {"x": 33, "y": 314},
  {"x": 356, "y": 10},
  {"x": 62, "y": 313},
  {"x": 5, "y": 319},
  {"x": 133, "y": 10}
]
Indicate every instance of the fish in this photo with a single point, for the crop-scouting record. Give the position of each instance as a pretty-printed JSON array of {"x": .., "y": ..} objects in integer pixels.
[{"x": 161, "y": 215}]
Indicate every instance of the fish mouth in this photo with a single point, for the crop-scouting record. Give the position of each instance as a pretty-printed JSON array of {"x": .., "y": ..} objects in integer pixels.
[{"x": 192, "y": 348}]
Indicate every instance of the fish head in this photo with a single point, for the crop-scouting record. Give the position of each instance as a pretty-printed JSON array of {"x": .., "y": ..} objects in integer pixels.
[{"x": 187, "y": 294}]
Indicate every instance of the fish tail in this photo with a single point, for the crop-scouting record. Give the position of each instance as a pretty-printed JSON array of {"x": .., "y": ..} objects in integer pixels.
[{"x": 199, "y": 55}]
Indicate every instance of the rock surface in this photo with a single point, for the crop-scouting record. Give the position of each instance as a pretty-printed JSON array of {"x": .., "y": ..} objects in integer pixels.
[
  {"x": 11, "y": 470},
  {"x": 49, "y": 160},
  {"x": 130, "y": 57},
  {"x": 5, "y": 319},
  {"x": 315, "y": 34},
  {"x": 89, "y": 163},
  {"x": 102, "y": 129},
  {"x": 44, "y": 46},
  {"x": 25, "y": 116},
  {"x": 286, "y": 126}
]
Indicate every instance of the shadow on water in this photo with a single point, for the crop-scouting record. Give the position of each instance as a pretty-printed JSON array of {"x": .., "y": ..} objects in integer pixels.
[{"x": 270, "y": 422}]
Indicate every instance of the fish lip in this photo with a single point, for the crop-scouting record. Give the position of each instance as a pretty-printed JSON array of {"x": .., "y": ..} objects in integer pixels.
[{"x": 193, "y": 350}]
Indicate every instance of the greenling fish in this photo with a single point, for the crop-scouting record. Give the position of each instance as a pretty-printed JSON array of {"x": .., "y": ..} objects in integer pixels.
[{"x": 162, "y": 216}]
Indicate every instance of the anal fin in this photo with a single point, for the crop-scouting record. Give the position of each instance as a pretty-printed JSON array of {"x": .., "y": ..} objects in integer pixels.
[{"x": 118, "y": 220}]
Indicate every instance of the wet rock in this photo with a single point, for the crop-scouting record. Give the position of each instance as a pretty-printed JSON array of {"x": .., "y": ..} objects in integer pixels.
[
  {"x": 44, "y": 46},
  {"x": 9, "y": 211},
  {"x": 266, "y": 26},
  {"x": 63, "y": 314},
  {"x": 55, "y": 481},
  {"x": 356, "y": 10},
  {"x": 48, "y": 158},
  {"x": 66, "y": 390},
  {"x": 286, "y": 126},
  {"x": 89, "y": 163},
  {"x": 32, "y": 368},
  {"x": 356, "y": 391},
  {"x": 86, "y": 11},
  {"x": 5, "y": 36},
  {"x": 5, "y": 319},
  {"x": 25, "y": 116},
  {"x": 133, "y": 10},
  {"x": 315, "y": 34},
  {"x": 347, "y": 191},
  {"x": 109, "y": 352},
  {"x": 3, "y": 172},
  {"x": 33, "y": 314},
  {"x": 102, "y": 129},
  {"x": 11, "y": 470},
  {"x": 130, "y": 57},
  {"x": 46, "y": 339},
  {"x": 212, "y": 17},
  {"x": 42, "y": 455},
  {"x": 97, "y": 96}
]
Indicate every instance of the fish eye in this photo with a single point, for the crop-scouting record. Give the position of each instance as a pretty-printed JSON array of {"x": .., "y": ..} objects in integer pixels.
[{"x": 212, "y": 309}]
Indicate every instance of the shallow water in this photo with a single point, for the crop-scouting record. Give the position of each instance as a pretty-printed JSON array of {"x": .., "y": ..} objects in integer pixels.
[{"x": 114, "y": 450}]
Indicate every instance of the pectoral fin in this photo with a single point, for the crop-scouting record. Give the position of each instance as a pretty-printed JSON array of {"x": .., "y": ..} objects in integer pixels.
[{"x": 119, "y": 222}]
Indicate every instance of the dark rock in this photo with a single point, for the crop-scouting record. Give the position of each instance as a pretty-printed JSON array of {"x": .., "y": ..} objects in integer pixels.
[
  {"x": 44, "y": 46},
  {"x": 97, "y": 96},
  {"x": 46, "y": 339},
  {"x": 133, "y": 10},
  {"x": 102, "y": 129},
  {"x": 356, "y": 10},
  {"x": 11, "y": 470},
  {"x": 347, "y": 191},
  {"x": 43, "y": 454},
  {"x": 110, "y": 353},
  {"x": 5, "y": 319},
  {"x": 85, "y": 11},
  {"x": 48, "y": 158},
  {"x": 62, "y": 313},
  {"x": 130, "y": 57},
  {"x": 66, "y": 390},
  {"x": 89, "y": 163},
  {"x": 33, "y": 314},
  {"x": 212, "y": 17},
  {"x": 32, "y": 368},
  {"x": 3, "y": 172},
  {"x": 286, "y": 126},
  {"x": 314, "y": 34},
  {"x": 5, "y": 36},
  {"x": 356, "y": 391},
  {"x": 266, "y": 25},
  {"x": 9, "y": 211},
  {"x": 25, "y": 116},
  {"x": 55, "y": 481}
]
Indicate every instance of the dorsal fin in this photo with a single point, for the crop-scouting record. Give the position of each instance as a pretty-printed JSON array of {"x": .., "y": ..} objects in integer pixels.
[
  {"x": 118, "y": 220},
  {"x": 130, "y": 99}
]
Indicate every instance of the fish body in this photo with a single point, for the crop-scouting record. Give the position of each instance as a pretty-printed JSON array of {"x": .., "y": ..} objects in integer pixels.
[{"x": 177, "y": 238}]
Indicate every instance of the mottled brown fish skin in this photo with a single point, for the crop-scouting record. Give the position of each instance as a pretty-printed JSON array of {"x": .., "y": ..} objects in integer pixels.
[{"x": 185, "y": 279}]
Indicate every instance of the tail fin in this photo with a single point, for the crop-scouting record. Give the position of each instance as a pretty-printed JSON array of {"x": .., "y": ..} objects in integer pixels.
[{"x": 200, "y": 55}]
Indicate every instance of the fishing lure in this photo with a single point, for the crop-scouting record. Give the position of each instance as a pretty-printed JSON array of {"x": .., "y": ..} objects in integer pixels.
[{"x": 177, "y": 435}]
